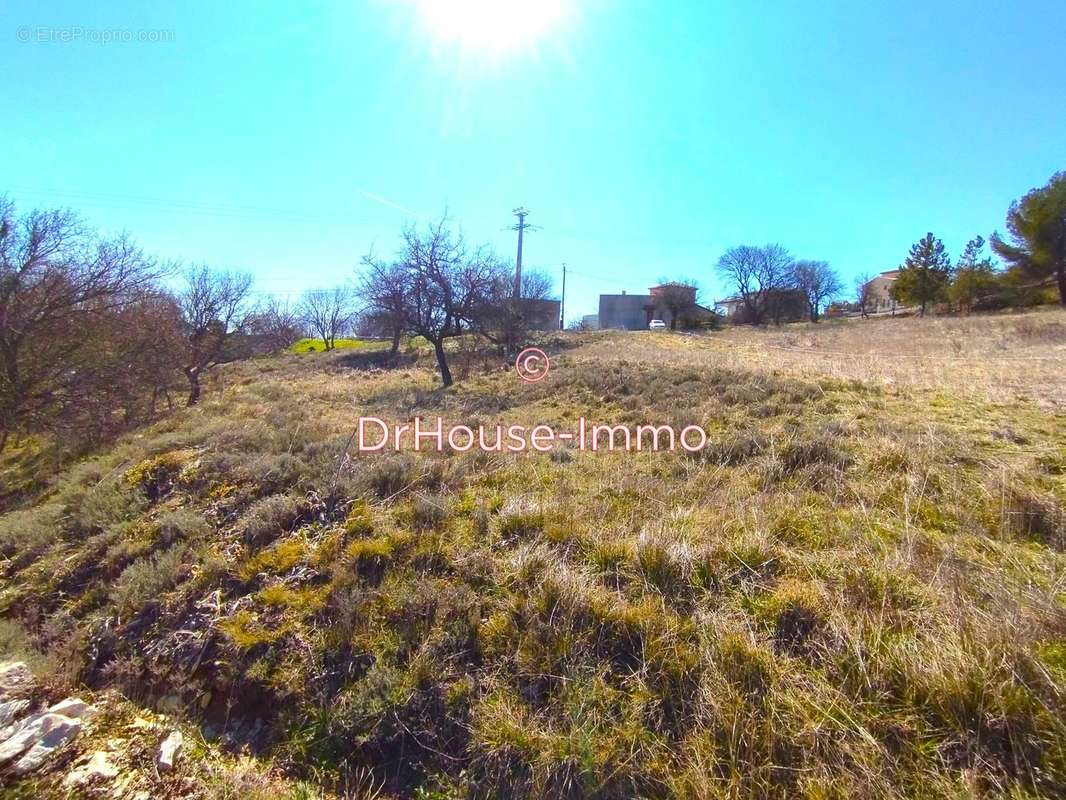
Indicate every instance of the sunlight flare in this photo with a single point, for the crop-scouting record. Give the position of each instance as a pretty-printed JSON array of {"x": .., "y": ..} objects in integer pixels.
[{"x": 491, "y": 28}]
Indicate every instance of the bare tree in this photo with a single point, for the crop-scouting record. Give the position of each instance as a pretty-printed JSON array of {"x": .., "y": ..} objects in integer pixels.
[
  {"x": 818, "y": 283},
  {"x": 537, "y": 285},
  {"x": 446, "y": 286},
  {"x": 213, "y": 307},
  {"x": 864, "y": 293},
  {"x": 59, "y": 283},
  {"x": 328, "y": 312},
  {"x": 679, "y": 298},
  {"x": 383, "y": 289},
  {"x": 274, "y": 324},
  {"x": 507, "y": 320},
  {"x": 756, "y": 274}
]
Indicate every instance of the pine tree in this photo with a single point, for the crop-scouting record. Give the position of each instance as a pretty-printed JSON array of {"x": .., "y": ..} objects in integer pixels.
[
  {"x": 975, "y": 275},
  {"x": 925, "y": 275},
  {"x": 1037, "y": 228}
]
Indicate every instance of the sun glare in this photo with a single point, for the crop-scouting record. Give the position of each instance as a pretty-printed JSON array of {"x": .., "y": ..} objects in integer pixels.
[{"x": 491, "y": 28}]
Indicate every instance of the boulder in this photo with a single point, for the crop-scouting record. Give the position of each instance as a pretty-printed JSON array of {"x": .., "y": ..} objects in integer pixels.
[
  {"x": 39, "y": 737},
  {"x": 36, "y": 737}
]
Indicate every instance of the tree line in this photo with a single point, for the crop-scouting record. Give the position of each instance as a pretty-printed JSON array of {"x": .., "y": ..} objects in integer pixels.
[
  {"x": 771, "y": 285},
  {"x": 97, "y": 337}
]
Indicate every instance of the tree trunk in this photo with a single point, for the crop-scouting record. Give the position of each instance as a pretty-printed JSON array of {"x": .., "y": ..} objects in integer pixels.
[
  {"x": 395, "y": 342},
  {"x": 3, "y": 438},
  {"x": 442, "y": 362},
  {"x": 194, "y": 386}
]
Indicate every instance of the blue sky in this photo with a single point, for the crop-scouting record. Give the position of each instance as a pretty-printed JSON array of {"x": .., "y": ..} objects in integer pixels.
[{"x": 645, "y": 137}]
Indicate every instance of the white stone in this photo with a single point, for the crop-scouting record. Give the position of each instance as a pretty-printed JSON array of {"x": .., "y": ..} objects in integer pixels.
[
  {"x": 73, "y": 707},
  {"x": 10, "y": 711},
  {"x": 99, "y": 766},
  {"x": 59, "y": 730},
  {"x": 168, "y": 751},
  {"x": 20, "y": 737}
]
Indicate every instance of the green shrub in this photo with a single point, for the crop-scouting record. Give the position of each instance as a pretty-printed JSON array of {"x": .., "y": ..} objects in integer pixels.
[
  {"x": 267, "y": 519},
  {"x": 182, "y": 525},
  {"x": 24, "y": 535},
  {"x": 93, "y": 508},
  {"x": 146, "y": 579}
]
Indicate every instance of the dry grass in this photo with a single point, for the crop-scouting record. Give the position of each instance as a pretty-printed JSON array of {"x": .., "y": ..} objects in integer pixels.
[
  {"x": 990, "y": 357},
  {"x": 857, "y": 589}
]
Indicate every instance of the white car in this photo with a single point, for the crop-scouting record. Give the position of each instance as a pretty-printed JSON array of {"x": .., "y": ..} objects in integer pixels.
[{"x": 656, "y": 325}]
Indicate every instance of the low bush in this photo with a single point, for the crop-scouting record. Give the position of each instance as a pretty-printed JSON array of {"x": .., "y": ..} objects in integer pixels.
[
  {"x": 267, "y": 519},
  {"x": 145, "y": 580}
]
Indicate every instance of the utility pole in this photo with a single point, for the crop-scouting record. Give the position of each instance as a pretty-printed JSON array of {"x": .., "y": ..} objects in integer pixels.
[
  {"x": 562, "y": 303},
  {"x": 521, "y": 213}
]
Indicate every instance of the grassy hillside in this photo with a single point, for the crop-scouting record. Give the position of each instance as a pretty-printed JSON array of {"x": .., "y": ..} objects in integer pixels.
[{"x": 858, "y": 589}]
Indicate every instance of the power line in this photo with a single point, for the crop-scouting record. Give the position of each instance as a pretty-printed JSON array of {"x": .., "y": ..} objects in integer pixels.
[
  {"x": 522, "y": 226},
  {"x": 562, "y": 303}
]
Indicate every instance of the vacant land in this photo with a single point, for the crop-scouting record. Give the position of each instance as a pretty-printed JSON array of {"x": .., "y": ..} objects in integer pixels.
[{"x": 858, "y": 589}]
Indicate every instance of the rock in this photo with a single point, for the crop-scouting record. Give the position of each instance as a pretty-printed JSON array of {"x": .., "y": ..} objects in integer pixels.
[
  {"x": 15, "y": 679},
  {"x": 56, "y": 730},
  {"x": 168, "y": 751},
  {"x": 39, "y": 735},
  {"x": 10, "y": 711},
  {"x": 19, "y": 737},
  {"x": 73, "y": 707},
  {"x": 99, "y": 766}
]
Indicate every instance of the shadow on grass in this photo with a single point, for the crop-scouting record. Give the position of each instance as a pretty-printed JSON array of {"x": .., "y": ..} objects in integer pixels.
[{"x": 375, "y": 359}]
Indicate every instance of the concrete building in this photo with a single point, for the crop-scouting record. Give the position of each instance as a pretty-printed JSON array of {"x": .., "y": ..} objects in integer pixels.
[
  {"x": 880, "y": 292},
  {"x": 630, "y": 312},
  {"x": 543, "y": 315},
  {"x": 633, "y": 312},
  {"x": 729, "y": 307}
]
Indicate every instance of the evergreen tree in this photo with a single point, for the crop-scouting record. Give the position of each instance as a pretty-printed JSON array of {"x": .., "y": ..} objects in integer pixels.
[
  {"x": 1037, "y": 227},
  {"x": 924, "y": 276},
  {"x": 975, "y": 275}
]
